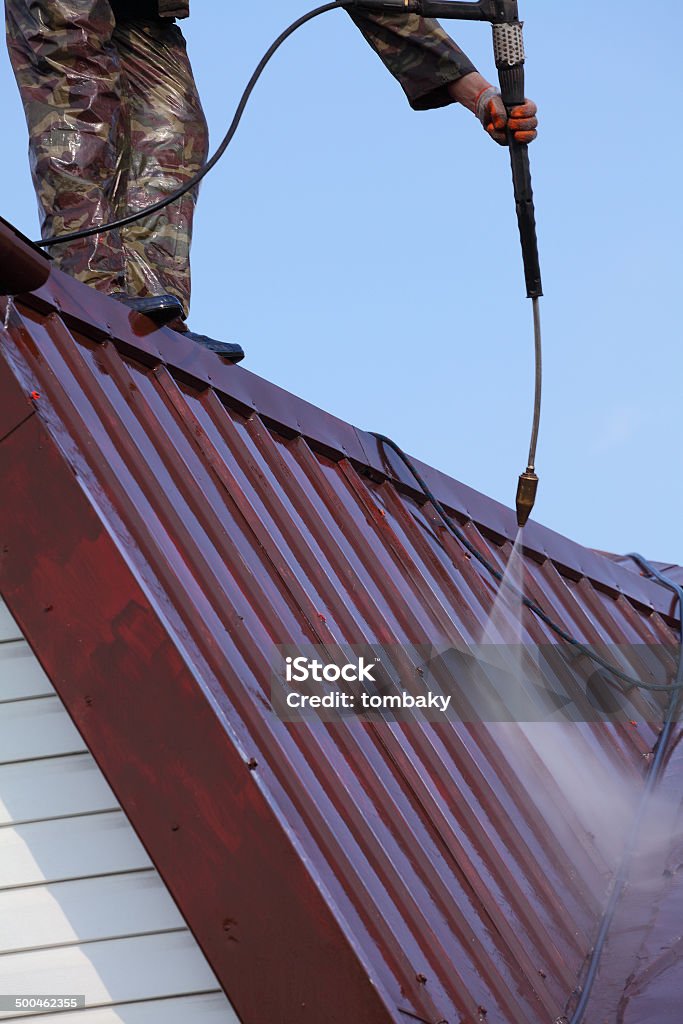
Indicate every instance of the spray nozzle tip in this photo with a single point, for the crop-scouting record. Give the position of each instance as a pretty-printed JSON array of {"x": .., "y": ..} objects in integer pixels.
[{"x": 526, "y": 496}]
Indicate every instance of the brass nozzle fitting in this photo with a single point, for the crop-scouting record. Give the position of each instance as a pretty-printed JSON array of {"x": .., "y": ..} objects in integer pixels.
[{"x": 526, "y": 496}]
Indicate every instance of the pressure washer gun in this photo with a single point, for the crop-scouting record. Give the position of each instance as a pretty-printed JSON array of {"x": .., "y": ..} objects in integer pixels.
[{"x": 508, "y": 46}]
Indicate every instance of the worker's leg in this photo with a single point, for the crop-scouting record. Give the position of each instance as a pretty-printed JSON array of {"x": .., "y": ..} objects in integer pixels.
[
  {"x": 168, "y": 145},
  {"x": 68, "y": 74}
]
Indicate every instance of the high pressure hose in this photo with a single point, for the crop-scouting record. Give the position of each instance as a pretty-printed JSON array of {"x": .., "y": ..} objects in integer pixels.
[{"x": 193, "y": 182}]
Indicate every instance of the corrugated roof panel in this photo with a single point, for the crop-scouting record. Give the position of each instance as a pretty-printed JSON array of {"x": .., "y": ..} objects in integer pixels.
[{"x": 450, "y": 874}]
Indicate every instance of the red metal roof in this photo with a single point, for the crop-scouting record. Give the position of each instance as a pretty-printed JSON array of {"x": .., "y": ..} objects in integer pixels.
[{"x": 166, "y": 520}]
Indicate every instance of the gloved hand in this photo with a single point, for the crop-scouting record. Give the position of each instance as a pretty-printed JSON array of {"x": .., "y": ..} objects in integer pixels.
[{"x": 491, "y": 111}]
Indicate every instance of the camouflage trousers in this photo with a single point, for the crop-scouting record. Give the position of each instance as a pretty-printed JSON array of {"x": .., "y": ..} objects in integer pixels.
[{"x": 115, "y": 124}]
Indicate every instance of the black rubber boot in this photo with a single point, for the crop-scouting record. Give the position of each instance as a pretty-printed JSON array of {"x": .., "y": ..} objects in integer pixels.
[
  {"x": 226, "y": 349},
  {"x": 162, "y": 309}
]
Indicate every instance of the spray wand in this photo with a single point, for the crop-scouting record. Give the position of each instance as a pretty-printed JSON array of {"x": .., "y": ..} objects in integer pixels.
[{"x": 508, "y": 46}]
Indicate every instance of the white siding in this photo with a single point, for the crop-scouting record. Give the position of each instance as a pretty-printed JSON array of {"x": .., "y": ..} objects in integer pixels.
[
  {"x": 8, "y": 627},
  {"x": 86, "y": 910},
  {"x": 20, "y": 674},
  {"x": 207, "y": 1009},
  {"x": 143, "y": 967},
  {"x": 54, "y": 788},
  {"x": 31, "y": 729},
  {"x": 82, "y": 909}
]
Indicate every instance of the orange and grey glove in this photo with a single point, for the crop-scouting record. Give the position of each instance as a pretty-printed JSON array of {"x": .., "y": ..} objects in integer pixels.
[{"x": 491, "y": 111}]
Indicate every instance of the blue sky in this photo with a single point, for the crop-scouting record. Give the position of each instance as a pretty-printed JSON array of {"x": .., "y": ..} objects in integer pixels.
[{"x": 367, "y": 256}]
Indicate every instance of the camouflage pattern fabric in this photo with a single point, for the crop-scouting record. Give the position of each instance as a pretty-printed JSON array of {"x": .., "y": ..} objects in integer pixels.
[
  {"x": 418, "y": 53},
  {"x": 115, "y": 124},
  {"x": 131, "y": 10},
  {"x": 173, "y": 8},
  {"x": 150, "y": 8}
]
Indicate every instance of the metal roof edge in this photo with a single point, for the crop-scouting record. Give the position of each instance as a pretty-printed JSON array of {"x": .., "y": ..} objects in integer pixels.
[{"x": 100, "y": 318}]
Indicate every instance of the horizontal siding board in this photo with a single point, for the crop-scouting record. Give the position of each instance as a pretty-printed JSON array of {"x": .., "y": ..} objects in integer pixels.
[
  {"x": 70, "y": 848},
  {"x": 36, "y": 728},
  {"x": 8, "y": 627},
  {"x": 53, "y": 788},
  {"x": 212, "y": 1008},
  {"x": 20, "y": 674},
  {"x": 147, "y": 967},
  {"x": 85, "y": 910}
]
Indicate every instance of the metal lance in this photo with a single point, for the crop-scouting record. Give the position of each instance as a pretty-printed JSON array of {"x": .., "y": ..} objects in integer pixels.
[{"x": 508, "y": 46}]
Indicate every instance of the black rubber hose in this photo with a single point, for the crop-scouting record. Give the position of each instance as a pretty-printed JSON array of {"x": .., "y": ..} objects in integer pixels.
[
  {"x": 456, "y": 532},
  {"x": 194, "y": 181}
]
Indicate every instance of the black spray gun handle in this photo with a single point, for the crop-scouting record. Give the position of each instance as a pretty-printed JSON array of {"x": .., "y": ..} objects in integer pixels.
[
  {"x": 508, "y": 44},
  {"x": 481, "y": 10}
]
